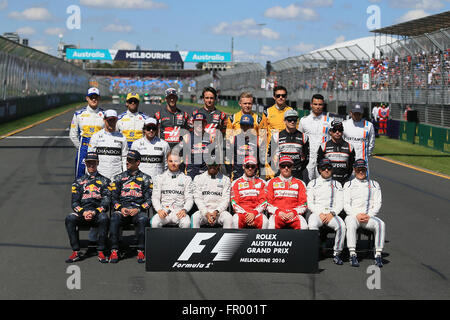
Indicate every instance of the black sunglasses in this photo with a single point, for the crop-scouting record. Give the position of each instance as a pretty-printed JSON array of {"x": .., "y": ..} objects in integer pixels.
[
  {"x": 250, "y": 166},
  {"x": 135, "y": 101},
  {"x": 151, "y": 128},
  {"x": 291, "y": 119},
  {"x": 329, "y": 168},
  {"x": 283, "y": 166},
  {"x": 281, "y": 95},
  {"x": 337, "y": 130}
]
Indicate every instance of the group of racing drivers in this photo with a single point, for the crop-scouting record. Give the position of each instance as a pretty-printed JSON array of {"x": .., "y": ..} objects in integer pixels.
[{"x": 276, "y": 171}]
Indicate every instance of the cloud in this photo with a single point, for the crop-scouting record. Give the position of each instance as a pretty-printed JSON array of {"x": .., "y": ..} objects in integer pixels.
[
  {"x": 124, "y": 4},
  {"x": 342, "y": 25},
  {"x": 303, "y": 47},
  {"x": 123, "y": 45},
  {"x": 32, "y": 14},
  {"x": 412, "y": 15},
  {"x": 319, "y": 3},
  {"x": 118, "y": 28},
  {"x": 26, "y": 31},
  {"x": 3, "y": 4},
  {"x": 340, "y": 39},
  {"x": 417, "y": 4},
  {"x": 245, "y": 28},
  {"x": 43, "y": 48},
  {"x": 292, "y": 12},
  {"x": 54, "y": 31}
]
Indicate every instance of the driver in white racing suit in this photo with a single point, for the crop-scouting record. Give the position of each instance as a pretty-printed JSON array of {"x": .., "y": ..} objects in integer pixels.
[
  {"x": 212, "y": 197},
  {"x": 172, "y": 196},
  {"x": 153, "y": 150}
]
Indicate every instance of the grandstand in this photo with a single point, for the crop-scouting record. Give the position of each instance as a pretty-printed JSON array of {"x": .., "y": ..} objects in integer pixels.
[{"x": 404, "y": 64}]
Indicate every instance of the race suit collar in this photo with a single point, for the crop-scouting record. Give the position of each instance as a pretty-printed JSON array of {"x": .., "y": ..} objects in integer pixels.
[
  {"x": 285, "y": 179},
  {"x": 133, "y": 173},
  {"x": 91, "y": 110},
  {"x": 320, "y": 178}
]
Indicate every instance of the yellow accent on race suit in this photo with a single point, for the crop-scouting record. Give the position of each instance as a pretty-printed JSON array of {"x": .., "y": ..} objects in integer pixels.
[
  {"x": 133, "y": 135},
  {"x": 88, "y": 131}
]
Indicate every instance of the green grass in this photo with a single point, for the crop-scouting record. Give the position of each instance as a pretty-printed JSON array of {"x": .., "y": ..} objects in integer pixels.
[
  {"x": 413, "y": 154},
  {"x": 8, "y": 127}
]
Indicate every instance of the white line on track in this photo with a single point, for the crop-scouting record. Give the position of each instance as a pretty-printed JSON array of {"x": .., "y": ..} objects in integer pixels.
[{"x": 36, "y": 137}]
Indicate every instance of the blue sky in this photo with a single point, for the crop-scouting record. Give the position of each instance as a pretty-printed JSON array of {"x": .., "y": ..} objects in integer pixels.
[{"x": 262, "y": 30}]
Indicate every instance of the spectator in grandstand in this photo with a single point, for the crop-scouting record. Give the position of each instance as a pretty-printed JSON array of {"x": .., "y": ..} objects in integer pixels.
[
  {"x": 90, "y": 204},
  {"x": 272, "y": 123},
  {"x": 405, "y": 113},
  {"x": 153, "y": 150},
  {"x": 375, "y": 119},
  {"x": 171, "y": 119},
  {"x": 362, "y": 203},
  {"x": 359, "y": 133},
  {"x": 212, "y": 197},
  {"x": 246, "y": 104},
  {"x": 383, "y": 114},
  {"x": 85, "y": 123},
  {"x": 248, "y": 198},
  {"x": 286, "y": 197},
  {"x": 241, "y": 146},
  {"x": 111, "y": 147},
  {"x": 131, "y": 197},
  {"x": 315, "y": 126},
  {"x": 339, "y": 152},
  {"x": 326, "y": 201},
  {"x": 132, "y": 121},
  {"x": 172, "y": 196},
  {"x": 291, "y": 142},
  {"x": 216, "y": 120}
]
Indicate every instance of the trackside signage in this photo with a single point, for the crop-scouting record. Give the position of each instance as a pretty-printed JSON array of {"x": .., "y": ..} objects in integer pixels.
[{"x": 230, "y": 250}]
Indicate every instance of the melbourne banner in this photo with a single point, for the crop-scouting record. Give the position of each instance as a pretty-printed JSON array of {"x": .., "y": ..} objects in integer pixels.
[
  {"x": 149, "y": 56},
  {"x": 231, "y": 250}
]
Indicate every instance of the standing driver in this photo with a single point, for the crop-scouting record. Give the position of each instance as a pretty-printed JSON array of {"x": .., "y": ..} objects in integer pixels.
[
  {"x": 132, "y": 121},
  {"x": 85, "y": 123}
]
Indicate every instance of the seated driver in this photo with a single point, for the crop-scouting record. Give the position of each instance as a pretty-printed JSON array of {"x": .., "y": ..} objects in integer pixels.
[
  {"x": 326, "y": 201},
  {"x": 248, "y": 198},
  {"x": 362, "y": 203},
  {"x": 172, "y": 196},
  {"x": 286, "y": 197},
  {"x": 212, "y": 197}
]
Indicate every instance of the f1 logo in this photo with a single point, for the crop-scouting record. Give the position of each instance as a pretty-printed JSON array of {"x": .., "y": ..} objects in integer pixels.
[
  {"x": 194, "y": 246},
  {"x": 225, "y": 247}
]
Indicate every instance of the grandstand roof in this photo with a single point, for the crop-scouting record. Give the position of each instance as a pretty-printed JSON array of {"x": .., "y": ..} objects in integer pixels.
[
  {"x": 362, "y": 47},
  {"x": 419, "y": 26}
]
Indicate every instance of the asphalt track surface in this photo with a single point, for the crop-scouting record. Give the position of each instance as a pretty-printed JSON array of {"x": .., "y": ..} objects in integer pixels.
[{"x": 37, "y": 168}]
